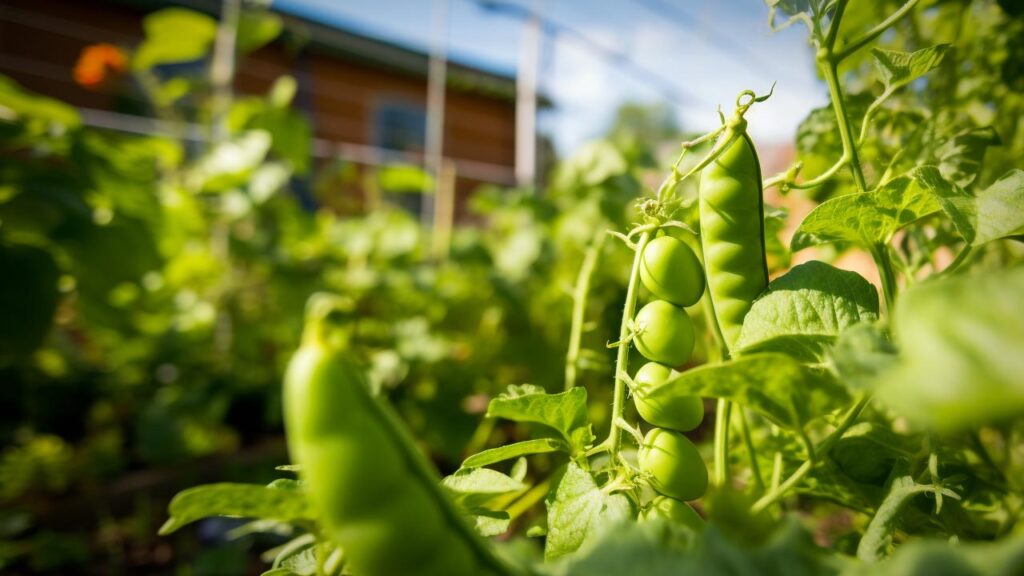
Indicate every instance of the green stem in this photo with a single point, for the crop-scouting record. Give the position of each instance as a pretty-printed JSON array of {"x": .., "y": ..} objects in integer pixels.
[
  {"x": 669, "y": 184},
  {"x": 869, "y": 36},
  {"x": 776, "y": 470},
  {"x": 755, "y": 468},
  {"x": 784, "y": 179},
  {"x": 527, "y": 501},
  {"x": 722, "y": 441},
  {"x": 622, "y": 358},
  {"x": 579, "y": 307},
  {"x": 880, "y": 253},
  {"x": 730, "y": 136},
  {"x": 830, "y": 69},
  {"x": 222, "y": 68},
  {"x": 833, "y": 29},
  {"x": 820, "y": 452},
  {"x": 721, "y": 475}
]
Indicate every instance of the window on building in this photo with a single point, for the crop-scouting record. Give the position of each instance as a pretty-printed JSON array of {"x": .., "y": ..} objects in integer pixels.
[{"x": 402, "y": 126}]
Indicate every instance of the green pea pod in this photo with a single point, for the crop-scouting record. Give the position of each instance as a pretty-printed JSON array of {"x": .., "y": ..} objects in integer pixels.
[
  {"x": 732, "y": 232},
  {"x": 377, "y": 495}
]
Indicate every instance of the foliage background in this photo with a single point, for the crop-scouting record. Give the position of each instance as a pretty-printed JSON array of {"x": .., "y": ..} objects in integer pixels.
[{"x": 153, "y": 288}]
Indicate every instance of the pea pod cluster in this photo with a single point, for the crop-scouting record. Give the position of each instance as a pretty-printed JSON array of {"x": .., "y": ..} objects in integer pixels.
[
  {"x": 376, "y": 494},
  {"x": 663, "y": 333}
]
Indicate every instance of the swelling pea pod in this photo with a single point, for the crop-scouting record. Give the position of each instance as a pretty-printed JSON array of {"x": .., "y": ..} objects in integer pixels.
[
  {"x": 671, "y": 271},
  {"x": 673, "y": 464},
  {"x": 376, "y": 494},
  {"x": 673, "y": 510},
  {"x": 683, "y": 413},
  {"x": 732, "y": 230},
  {"x": 664, "y": 333}
]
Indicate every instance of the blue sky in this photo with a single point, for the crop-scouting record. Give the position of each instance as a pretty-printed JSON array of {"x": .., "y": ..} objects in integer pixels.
[{"x": 703, "y": 53}]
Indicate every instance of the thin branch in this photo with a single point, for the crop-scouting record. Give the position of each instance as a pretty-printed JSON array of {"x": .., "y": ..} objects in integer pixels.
[
  {"x": 579, "y": 308},
  {"x": 869, "y": 36}
]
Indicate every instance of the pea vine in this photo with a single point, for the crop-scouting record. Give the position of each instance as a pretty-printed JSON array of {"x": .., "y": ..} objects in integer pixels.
[{"x": 823, "y": 383}]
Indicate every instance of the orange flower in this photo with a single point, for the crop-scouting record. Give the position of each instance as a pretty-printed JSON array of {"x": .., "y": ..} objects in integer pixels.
[{"x": 95, "y": 61}]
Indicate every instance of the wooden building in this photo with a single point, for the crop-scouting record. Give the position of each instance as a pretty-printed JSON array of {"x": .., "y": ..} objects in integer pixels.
[{"x": 365, "y": 98}]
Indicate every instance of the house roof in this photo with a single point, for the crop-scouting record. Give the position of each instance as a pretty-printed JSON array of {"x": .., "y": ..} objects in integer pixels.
[{"x": 351, "y": 45}]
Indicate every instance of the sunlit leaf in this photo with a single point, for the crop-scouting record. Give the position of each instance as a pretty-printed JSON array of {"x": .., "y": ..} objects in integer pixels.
[
  {"x": 174, "y": 35},
  {"x": 960, "y": 342},
  {"x": 243, "y": 500},
  {"x": 866, "y": 218},
  {"x": 579, "y": 511},
  {"x": 20, "y": 105},
  {"x": 805, "y": 309},
  {"x": 960, "y": 157},
  {"x": 897, "y": 69},
  {"x": 990, "y": 214},
  {"x": 476, "y": 488},
  {"x": 256, "y": 29},
  {"x": 565, "y": 412},
  {"x": 777, "y": 386},
  {"x": 515, "y": 450}
]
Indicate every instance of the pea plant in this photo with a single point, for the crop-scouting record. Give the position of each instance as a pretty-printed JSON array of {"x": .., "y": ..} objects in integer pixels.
[{"x": 855, "y": 430}]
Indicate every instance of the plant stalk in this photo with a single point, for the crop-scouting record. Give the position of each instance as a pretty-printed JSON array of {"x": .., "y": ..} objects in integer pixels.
[
  {"x": 819, "y": 452},
  {"x": 722, "y": 413},
  {"x": 880, "y": 253},
  {"x": 579, "y": 307},
  {"x": 622, "y": 358},
  {"x": 830, "y": 69},
  {"x": 748, "y": 441},
  {"x": 849, "y": 49}
]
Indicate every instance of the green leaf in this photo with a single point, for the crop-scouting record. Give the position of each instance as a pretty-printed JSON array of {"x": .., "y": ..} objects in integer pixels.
[
  {"x": 565, "y": 412},
  {"x": 654, "y": 548},
  {"x": 960, "y": 342},
  {"x": 243, "y": 500},
  {"x": 804, "y": 310},
  {"x": 960, "y": 157},
  {"x": 897, "y": 69},
  {"x": 866, "y": 218},
  {"x": 304, "y": 563},
  {"x": 510, "y": 451},
  {"x": 593, "y": 164},
  {"x": 268, "y": 180},
  {"x": 877, "y": 539},
  {"x": 28, "y": 299},
  {"x": 288, "y": 549},
  {"x": 777, "y": 386},
  {"x": 518, "y": 471},
  {"x": 405, "y": 178},
  {"x": 939, "y": 558},
  {"x": 257, "y": 29},
  {"x": 231, "y": 163},
  {"x": 1000, "y": 209},
  {"x": 869, "y": 451},
  {"x": 659, "y": 548},
  {"x": 578, "y": 511},
  {"x": 282, "y": 92},
  {"x": 174, "y": 35},
  {"x": 20, "y": 105},
  {"x": 995, "y": 212},
  {"x": 490, "y": 523},
  {"x": 480, "y": 488},
  {"x": 861, "y": 354}
]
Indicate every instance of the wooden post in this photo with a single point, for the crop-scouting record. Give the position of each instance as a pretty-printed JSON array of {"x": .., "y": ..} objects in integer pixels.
[{"x": 444, "y": 211}]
